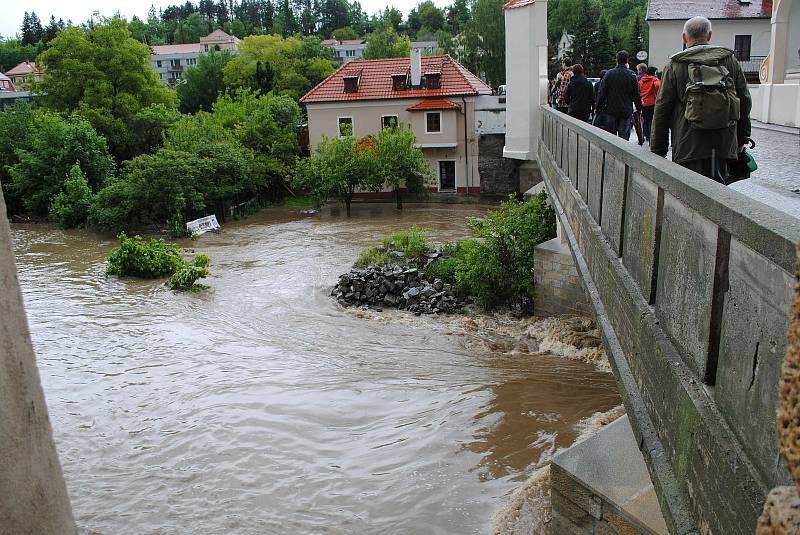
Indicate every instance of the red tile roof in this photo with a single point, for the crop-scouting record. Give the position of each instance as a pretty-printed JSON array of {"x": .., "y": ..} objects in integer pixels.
[
  {"x": 26, "y": 67},
  {"x": 187, "y": 48},
  {"x": 712, "y": 9},
  {"x": 518, "y": 3},
  {"x": 375, "y": 81},
  {"x": 434, "y": 104}
]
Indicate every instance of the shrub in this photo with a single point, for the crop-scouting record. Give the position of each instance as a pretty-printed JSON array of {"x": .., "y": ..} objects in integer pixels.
[
  {"x": 374, "y": 256},
  {"x": 497, "y": 268},
  {"x": 71, "y": 206},
  {"x": 186, "y": 276},
  {"x": 149, "y": 259},
  {"x": 411, "y": 242},
  {"x": 153, "y": 259}
]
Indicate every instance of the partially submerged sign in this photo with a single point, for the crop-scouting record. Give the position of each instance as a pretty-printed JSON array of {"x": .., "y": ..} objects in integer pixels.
[{"x": 203, "y": 225}]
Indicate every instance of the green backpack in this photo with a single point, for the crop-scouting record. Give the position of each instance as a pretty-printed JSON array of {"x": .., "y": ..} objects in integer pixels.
[{"x": 711, "y": 101}]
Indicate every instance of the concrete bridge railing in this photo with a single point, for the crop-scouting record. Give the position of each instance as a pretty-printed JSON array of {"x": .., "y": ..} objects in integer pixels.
[{"x": 691, "y": 286}]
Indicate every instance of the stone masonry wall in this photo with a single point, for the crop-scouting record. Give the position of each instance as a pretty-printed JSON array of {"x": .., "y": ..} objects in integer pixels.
[
  {"x": 558, "y": 288},
  {"x": 499, "y": 176}
]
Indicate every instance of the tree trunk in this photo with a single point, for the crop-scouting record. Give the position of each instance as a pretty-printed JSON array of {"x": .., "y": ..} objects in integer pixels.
[
  {"x": 399, "y": 198},
  {"x": 347, "y": 205}
]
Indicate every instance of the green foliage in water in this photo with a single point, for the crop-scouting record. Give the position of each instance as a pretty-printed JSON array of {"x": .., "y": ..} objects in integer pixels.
[
  {"x": 374, "y": 256},
  {"x": 153, "y": 259},
  {"x": 412, "y": 242},
  {"x": 186, "y": 276},
  {"x": 71, "y": 206},
  {"x": 497, "y": 267}
]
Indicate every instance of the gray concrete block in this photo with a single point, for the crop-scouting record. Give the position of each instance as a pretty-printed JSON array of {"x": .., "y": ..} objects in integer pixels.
[
  {"x": 571, "y": 155},
  {"x": 570, "y": 511},
  {"x": 685, "y": 282},
  {"x": 595, "y": 182},
  {"x": 583, "y": 168},
  {"x": 755, "y": 320},
  {"x": 613, "y": 202},
  {"x": 562, "y": 526},
  {"x": 640, "y": 233}
]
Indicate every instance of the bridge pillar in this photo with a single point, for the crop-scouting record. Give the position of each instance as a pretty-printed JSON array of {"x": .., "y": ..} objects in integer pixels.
[
  {"x": 526, "y": 76},
  {"x": 33, "y": 496}
]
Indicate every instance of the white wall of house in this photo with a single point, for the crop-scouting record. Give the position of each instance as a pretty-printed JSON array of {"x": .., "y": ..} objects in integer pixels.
[
  {"x": 162, "y": 63},
  {"x": 323, "y": 120},
  {"x": 665, "y": 37}
]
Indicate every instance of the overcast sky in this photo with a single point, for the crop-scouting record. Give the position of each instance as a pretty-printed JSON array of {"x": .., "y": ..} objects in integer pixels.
[{"x": 79, "y": 10}]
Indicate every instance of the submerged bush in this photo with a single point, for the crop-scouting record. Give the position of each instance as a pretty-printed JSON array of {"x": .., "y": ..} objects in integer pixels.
[
  {"x": 374, "y": 256},
  {"x": 412, "y": 242},
  {"x": 70, "y": 207},
  {"x": 186, "y": 276},
  {"x": 153, "y": 259}
]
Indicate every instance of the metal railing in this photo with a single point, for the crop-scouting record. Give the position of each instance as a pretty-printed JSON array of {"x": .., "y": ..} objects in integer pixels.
[{"x": 752, "y": 64}]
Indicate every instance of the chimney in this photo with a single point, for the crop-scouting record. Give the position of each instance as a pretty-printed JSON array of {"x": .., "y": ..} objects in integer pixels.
[{"x": 416, "y": 67}]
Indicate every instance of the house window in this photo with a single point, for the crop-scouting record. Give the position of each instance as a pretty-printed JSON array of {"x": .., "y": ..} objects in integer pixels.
[
  {"x": 433, "y": 122},
  {"x": 175, "y": 62},
  {"x": 389, "y": 121},
  {"x": 191, "y": 61},
  {"x": 350, "y": 53},
  {"x": 447, "y": 175},
  {"x": 158, "y": 63},
  {"x": 345, "y": 126},
  {"x": 741, "y": 47},
  {"x": 205, "y": 47}
]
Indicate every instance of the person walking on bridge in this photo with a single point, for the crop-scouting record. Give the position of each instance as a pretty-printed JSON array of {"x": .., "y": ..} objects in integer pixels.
[
  {"x": 618, "y": 94},
  {"x": 704, "y": 104},
  {"x": 579, "y": 95}
]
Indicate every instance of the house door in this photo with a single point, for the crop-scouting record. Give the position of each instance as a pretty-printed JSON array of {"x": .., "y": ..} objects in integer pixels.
[{"x": 447, "y": 175}]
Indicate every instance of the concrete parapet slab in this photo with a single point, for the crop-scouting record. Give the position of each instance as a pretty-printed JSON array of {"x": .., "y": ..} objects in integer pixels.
[{"x": 602, "y": 485}]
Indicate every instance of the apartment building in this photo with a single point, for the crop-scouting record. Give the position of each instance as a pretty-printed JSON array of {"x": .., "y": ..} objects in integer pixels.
[{"x": 171, "y": 61}]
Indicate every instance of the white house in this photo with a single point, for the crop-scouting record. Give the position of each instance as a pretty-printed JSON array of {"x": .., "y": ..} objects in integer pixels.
[
  {"x": 564, "y": 45},
  {"x": 741, "y": 25},
  {"x": 170, "y": 61},
  {"x": 346, "y": 50}
]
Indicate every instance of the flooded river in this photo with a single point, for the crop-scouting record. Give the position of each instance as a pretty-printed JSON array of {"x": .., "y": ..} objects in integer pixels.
[{"x": 260, "y": 406}]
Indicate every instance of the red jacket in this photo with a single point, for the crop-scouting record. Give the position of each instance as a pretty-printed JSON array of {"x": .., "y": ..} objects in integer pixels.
[{"x": 648, "y": 87}]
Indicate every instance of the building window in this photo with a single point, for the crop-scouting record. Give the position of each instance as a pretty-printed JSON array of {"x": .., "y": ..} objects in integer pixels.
[
  {"x": 389, "y": 121},
  {"x": 345, "y": 126},
  {"x": 350, "y": 53},
  {"x": 741, "y": 47},
  {"x": 158, "y": 63},
  {"x": 433, "y": 122},
  {"x": 447, "y": 175},
  {"x": 191, "y": 61},
  {"x": 175, "y": 62}
]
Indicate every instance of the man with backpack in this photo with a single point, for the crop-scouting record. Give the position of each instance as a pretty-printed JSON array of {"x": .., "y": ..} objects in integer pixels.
[{"x": 704, "y": 103}]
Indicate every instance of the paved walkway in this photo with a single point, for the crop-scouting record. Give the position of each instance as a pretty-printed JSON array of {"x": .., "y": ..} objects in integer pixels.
[{"x": 776, "y": 183}]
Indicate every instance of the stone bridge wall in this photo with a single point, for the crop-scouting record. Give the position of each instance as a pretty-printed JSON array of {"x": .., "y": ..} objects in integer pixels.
[{"x": 691, "y": 286}]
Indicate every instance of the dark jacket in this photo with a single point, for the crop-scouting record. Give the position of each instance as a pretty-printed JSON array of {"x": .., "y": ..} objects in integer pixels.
[
  {"x": 619, "y": 92},
  {"x": 580, "y": 97},
  {"x": 689, "y": 143}
]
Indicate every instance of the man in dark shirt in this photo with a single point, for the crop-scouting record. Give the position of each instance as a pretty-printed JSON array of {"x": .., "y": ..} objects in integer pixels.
[
  {"x": 579, "y": 95},
  {"x": 619, "y": 93}
]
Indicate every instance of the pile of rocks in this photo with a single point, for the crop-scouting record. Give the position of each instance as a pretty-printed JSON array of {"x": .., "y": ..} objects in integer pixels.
[{"x": 396, "y": 285}]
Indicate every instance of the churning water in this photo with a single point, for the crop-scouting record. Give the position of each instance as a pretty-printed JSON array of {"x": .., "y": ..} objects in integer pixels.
[{"x": 260, "y": 406}]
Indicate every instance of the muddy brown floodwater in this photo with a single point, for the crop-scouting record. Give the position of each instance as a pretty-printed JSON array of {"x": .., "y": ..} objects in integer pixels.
[{"x": 260, "y": 406}]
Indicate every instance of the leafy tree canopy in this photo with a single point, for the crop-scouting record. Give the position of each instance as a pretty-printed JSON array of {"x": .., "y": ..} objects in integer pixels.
[
  {"x": 203, "y": 83},
  {"x": 103, "y": 74},
  {"x": 386, "y": 43}
]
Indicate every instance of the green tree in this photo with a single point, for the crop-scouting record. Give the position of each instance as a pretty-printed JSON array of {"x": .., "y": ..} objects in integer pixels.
[
  {"x": 342, "y": 34},
  {"x": 70, "y": 207},
  {"x": 13, "y": 52},
  {"x": 55, "y": 145},
  {"x": 400, "y": 163},
  {"x": 485, "y": 41},
  {"x": 203, "y": 83},
  {"x": 105, "y": 75},
  {"x": 149, "y": 126},
  {"x": 16, "y": 125},
  {"x": 339, "y": 168},
  {"x": 297, "y": 64},
  {"x": 585, "y": 35},
  {"x": 386, "y": 43}
]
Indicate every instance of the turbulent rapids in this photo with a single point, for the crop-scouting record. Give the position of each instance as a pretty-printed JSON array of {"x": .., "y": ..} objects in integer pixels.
[{"x": 262, "y": 406}]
